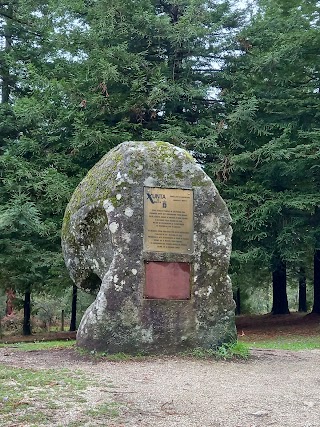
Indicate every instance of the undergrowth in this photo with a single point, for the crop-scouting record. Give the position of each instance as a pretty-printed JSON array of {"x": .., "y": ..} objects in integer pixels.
[
  {"x": 228, "y": 351},
  {"x": 238, "y": 350}
]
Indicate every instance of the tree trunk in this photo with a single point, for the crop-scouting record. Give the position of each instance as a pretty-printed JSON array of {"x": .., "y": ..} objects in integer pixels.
[
  {"x": 9, "y": 302},
  {"x": 302, "y": 290},
  {"x": 62, "y": 320},
  {"x": 237, "y": 299},
  {"x": 279, "y": 287},
  {"x": 316, "y": 282},
  {"x": 73, "y": 321},
  {"x": 5, "y": 77},
  {"x": 27, "y": 313}
]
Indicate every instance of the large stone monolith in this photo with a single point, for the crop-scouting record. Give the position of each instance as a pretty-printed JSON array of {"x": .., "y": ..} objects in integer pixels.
[{"x": 148, "y": 231}]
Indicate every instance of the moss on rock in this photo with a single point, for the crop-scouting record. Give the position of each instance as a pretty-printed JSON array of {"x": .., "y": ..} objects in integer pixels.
[{"x": 102, "y": 235}]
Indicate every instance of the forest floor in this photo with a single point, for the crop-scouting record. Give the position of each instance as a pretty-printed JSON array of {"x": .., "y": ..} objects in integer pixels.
[
  {"x": 269, "y": 326},
  {"x": 250, "y": 327},
  {"x": 273, "y": 388}
]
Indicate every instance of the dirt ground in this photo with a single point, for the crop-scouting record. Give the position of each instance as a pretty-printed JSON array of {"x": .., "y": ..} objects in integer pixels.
[
  {"x": 273, "y": 388},
  {"x": 268, "y": 326}
]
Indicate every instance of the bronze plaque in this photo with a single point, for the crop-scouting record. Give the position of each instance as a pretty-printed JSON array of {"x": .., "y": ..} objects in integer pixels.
[
  {"x": 167, "y": 280},
  {"x": 168, "y": 220}
]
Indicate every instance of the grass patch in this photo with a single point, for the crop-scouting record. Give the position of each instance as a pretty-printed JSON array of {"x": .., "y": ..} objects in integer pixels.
[
  {"x": 43, "y": 397},
  {"x": 238, "y": 350},
  {"x": 40, "y": 345},
  {"x": 35, "y": 395},
  {"x": 105, "y": 409},
  {"x": 293, "y": 343}
]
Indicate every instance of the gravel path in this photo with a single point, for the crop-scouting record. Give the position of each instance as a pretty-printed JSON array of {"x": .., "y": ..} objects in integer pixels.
[{"x": 274, "y": 388}]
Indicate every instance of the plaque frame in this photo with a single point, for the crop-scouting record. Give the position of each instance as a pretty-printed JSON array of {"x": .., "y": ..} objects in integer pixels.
[{"x": 168, "y": 220}]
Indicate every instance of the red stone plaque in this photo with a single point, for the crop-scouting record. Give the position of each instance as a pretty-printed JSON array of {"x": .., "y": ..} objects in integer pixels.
[{"x": 167, "y": 280}]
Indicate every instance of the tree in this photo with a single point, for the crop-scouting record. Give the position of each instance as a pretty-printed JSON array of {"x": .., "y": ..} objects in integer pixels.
[
  {"x": 73, "y": 321},
  {"x": 78, "y": 79},
  {"x": 146, "y": 72},
  {"x": 269, "y": 138},
  {"x": 34, "y": 186},
  {"x": 302, "y": 290},
  {"x": 316, "y": 282}
]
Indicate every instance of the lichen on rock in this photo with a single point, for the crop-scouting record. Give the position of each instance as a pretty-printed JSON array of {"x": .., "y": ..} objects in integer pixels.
[{"x": 102, "y": 241}]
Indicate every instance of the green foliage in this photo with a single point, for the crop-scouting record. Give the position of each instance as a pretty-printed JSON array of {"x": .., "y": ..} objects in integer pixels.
[
  {"x": 46, "y": 310},
  {"x": 79, "y": 80},
  {"x": 226, "y": 351},
  {"x": 37, "y": 173},
  {"x": 110, "y": 410},
  {"x": 147, "y": 72},
  {"x": 269, "y": 138},
  {"x": 236, "y": 350},
  {"x": 256, "y": 294},
  {"x": 47, "y": 307}
]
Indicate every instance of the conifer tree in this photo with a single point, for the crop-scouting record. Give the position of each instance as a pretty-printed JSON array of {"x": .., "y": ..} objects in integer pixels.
[
  {"x": 77, "y": 79},
  {"x": 270, "y": 139},
  {"x": 34, "y": 184},
  {"x": 147, "y": 72}
]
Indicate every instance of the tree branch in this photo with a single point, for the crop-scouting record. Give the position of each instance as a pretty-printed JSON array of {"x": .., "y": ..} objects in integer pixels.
[{"x": 19, "y": 21}]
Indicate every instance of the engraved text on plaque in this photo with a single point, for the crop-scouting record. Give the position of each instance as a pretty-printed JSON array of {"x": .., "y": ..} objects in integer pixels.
[{"x": 168, "y": 220}]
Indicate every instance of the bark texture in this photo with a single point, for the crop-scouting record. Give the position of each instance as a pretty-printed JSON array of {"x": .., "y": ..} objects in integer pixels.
[{"x": 279, "y": 288}]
